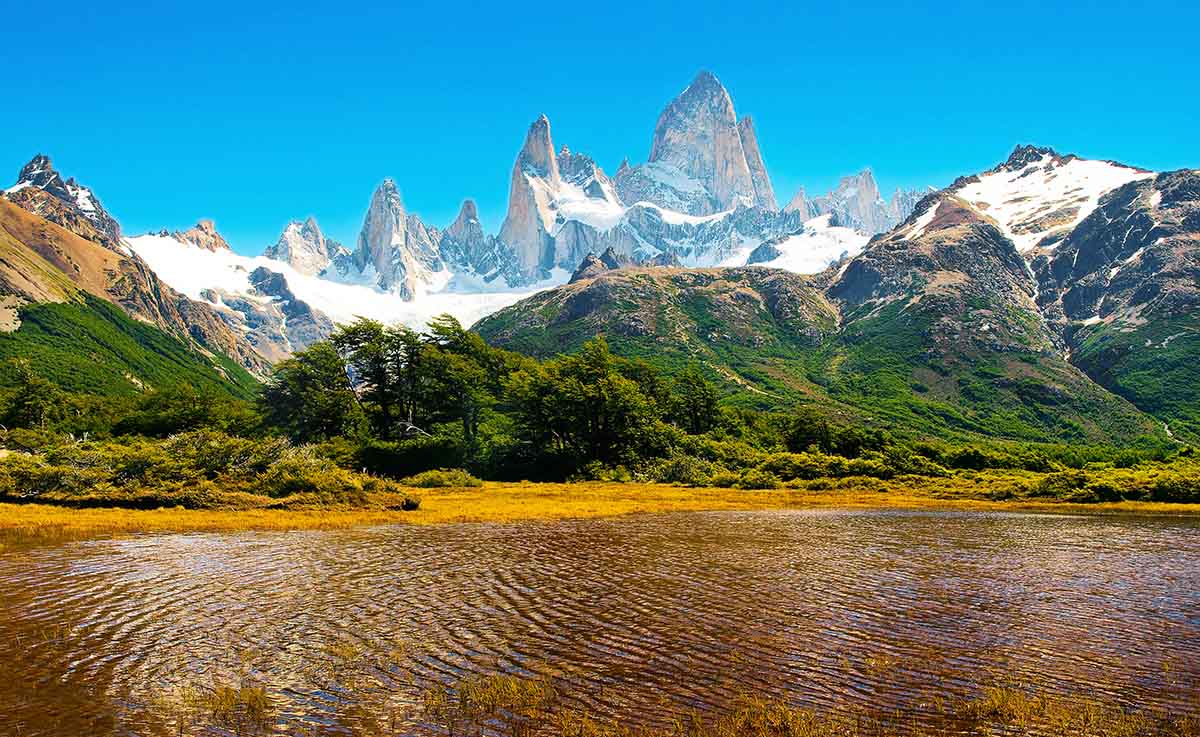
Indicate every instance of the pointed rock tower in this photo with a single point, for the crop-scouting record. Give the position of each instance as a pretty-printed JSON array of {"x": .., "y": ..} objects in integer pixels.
[
  {"x": 764, "y": 193},
  {"x": 305, "y": 248},
  {"x": 702, "y": 160},
  {"x": 529, "y": 223},
  {"x": 394, "y": 247}
]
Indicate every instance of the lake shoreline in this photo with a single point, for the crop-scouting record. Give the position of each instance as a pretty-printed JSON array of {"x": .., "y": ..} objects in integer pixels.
[{"x": 30, "y": 524}]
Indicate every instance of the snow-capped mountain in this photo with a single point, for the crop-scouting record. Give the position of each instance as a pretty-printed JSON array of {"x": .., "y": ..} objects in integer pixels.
[
  {"x": 305, "y": 248},
  {"x": 703, "y": 198},
  {"x": 703, "y": 160},
  {"x": 243, "y": 288},
  {"x": 68, "y": 203},
  {"x": 857, "y": 203},
  {"x": 396, "y": 251},
  {"x": 1037, "y": 196}
]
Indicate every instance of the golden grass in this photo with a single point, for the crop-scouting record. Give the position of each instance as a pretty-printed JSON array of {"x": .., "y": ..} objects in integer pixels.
[{"x": 22, "y": 524}]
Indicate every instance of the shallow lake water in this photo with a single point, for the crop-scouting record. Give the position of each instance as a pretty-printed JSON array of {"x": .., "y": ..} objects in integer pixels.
[{"x": 635, "y": 617}]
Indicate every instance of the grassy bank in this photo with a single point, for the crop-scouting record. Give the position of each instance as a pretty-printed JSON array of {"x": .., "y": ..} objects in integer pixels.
[{"x": 22, "y": 524}]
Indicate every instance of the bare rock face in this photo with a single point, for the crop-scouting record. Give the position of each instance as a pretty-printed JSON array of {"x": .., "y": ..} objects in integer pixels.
[
  {"x": 75, "y": 207},
  {"x": 902, "y": 204},
  {"x": 800, "y": 204},
  {"x": 856, "y": 203},
  {"x": 395, "y": 250},
  {"x": 305, "y": 248},
  {"x": 530, "y": 221},
  {"x": 764, "y": 193},
  {"x": 468, "y": 251},
  {"x": 698, "y": 159},
  {"x": 204, "y": 235}
]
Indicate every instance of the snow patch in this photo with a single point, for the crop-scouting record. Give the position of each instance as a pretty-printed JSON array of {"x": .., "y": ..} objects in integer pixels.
[
  {"x": 817, "y": 247},
  {"x": 192, "y": 270},
  {"x": 918, "y": 227},
  {"x": 1016, "y": 200}
]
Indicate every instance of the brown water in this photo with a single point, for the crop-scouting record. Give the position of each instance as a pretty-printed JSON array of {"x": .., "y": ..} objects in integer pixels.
[{"x": 637, "y": 617}]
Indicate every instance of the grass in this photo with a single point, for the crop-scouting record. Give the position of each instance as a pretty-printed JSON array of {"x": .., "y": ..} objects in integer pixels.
[{"x": 26, "y": 524}]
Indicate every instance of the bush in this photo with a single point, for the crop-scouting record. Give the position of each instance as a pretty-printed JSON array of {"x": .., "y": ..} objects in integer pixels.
[
  {"x": 597, "y": 471},
  {"x": 197, "y": 470},
  {"x": 408, "y": 457},
  {"x": 1177, "y": 488},
  {"x": 754, "y": 478},
  {"x": 442, "y": 478},
  {"x": 685, "y": 470}
]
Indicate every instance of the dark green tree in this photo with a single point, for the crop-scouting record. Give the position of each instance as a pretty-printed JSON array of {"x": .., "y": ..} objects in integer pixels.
[
  {"x": 309, "y": 396},
  {"x": 694, "y": 402},
  {"x": 366, "y": 347},
  {"x": 582, "y": 408},
  {"x": 36, "y": 403}
]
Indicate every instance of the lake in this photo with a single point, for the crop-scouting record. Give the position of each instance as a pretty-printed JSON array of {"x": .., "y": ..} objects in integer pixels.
[{"x": 636, "y": 617}]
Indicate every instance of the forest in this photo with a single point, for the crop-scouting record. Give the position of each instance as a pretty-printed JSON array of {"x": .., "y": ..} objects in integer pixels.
[{"x": 376, "y": 411}]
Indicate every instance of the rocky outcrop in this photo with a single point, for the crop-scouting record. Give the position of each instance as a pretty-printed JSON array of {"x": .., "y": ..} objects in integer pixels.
[
  {"x": 799, "y": 204},
  {"x": 204, "y": 235},
  {"x": 768, "y": 251},
  {"x": 1146, "y": 269},
  {"x": 473, "y": 255},
  {"x": 396, "y": 251},
  {"x": 856, "y": 203},
  {"x": 593, "y": 265},
  {"x": 305, "y": 248},
  {"x": 529, "y": 223},
  {"x": 41, "y": 190},
  {"x": 271, "y": 317},
  {"x": 902, "y": 204},
  {"x": 699, "y": 162},
  {"x": 126, "y": 280},
  {"x": 764, "y": 193}
]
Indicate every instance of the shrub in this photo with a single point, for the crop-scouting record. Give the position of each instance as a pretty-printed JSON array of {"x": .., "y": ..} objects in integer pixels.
[
  {"x": 597, "y": 471},
  {"x": 754, "y": 478},
  {"x": 407, "y": 457},
  {"x": 442, "y": 477},
  {"x": 682, "y": 469}
]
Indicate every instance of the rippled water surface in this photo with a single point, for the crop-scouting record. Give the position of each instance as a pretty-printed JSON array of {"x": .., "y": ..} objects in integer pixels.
[{"x": 638, "y": 615}]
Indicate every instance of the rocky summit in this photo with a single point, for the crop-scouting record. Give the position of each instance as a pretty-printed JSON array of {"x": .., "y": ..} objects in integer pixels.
[
  {"x": 1050, "y": 296},
  {"x": 305, "y": 248}
]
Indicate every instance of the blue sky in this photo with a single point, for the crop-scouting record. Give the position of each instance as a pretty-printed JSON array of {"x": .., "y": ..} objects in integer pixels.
[{"x": 256, "y": 115}]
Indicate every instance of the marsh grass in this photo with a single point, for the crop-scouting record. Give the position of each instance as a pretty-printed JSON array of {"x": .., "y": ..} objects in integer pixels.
[
  {"x": 26, "y": 524},
  {"x": 505, "y": 705}
]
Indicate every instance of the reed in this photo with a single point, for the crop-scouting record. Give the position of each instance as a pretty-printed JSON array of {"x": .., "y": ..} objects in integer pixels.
[{"x": 25, "y": 524}]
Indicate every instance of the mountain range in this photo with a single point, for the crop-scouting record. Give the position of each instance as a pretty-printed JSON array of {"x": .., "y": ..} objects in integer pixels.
[{"x": 1050, "y": 297}]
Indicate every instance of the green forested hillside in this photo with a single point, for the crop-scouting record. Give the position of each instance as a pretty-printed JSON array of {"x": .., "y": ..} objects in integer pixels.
[{"x": 88, "y": 345}]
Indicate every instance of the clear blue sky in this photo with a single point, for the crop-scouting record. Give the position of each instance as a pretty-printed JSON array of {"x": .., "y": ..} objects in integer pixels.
[{"x": 253, "y": 116}]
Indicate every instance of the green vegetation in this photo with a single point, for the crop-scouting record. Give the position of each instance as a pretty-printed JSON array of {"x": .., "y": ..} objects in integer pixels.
[
  {"x": 1153, "y": 366},
  {"x": 90, "y": 347},
  {"x": 945, "y": 365},
  {"x": 351, "y": 422},
  {"x": 202, "y": 469},
  {"x": 442, "y": 478}
]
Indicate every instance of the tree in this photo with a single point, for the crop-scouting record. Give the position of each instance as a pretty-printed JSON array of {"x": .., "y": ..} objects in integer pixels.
[
  {"x": 808, "y": 429},
  {"x": 694, "y": 405},
  {"x": 581, "y": 407},
  {"x": 365, "y": 347},
  {"x": 36, "y": 402},
  {"x": 309, "y": 396}
]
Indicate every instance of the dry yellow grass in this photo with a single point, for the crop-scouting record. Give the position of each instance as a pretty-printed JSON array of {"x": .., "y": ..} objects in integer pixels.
[{"x": 507, "y": 502}]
